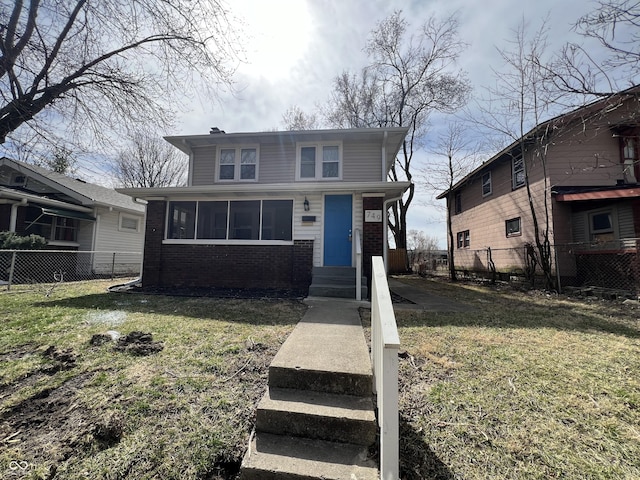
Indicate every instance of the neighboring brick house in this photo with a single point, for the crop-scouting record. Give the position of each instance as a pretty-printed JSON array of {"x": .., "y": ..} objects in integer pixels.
[
  {"x": 590, "y": 180},
  {"x": 261, "y": 209},
  {"x": 70, "y": 214}
]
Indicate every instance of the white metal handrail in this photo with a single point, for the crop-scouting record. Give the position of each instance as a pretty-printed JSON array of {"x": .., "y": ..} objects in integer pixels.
[
  {"x": 358, "y": 265},
  {"x": 385, "y": 343}
]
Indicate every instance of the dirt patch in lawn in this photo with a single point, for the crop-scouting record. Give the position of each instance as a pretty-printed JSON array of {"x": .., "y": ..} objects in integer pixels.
[
  {"x": 55, "y": 427},
  {"x": 51, "y": 425}
]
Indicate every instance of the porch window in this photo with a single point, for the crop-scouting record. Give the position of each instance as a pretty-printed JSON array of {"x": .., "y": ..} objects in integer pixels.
[
  {"x": 319, "y": 162},
  {"x": 182, "y": 220},
  {"x": 276, "y": 219},
  {"x": 244, "y": 220},
  {"x": 512, "y": 227},
  {"x": 212, "y": 220},
  {"x": 517, "y": 169},
  {"x": 66, "y": 229},
  {"x": 464, "y": 239},
  {"x": 52, "y": 228},
  {"x": 601, "y": 226},
  {"x": 486, "y": 184},
  {"x": 237, "y": 164},
  {"x": 231, "y": 220}
]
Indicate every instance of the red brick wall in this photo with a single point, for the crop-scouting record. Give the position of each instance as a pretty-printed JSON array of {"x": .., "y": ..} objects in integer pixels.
[
  {"x": 230, "y": 266},
  {"x": 372, "y": 235}
]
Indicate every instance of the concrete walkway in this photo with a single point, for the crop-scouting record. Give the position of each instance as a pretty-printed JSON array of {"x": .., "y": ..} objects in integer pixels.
[
  {"x": 317, "y": 418},
  {"x": 423, "y": 300}
]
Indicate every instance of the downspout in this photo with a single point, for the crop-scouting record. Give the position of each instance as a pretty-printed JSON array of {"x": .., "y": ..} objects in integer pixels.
[{"x": 384, "y": 156}]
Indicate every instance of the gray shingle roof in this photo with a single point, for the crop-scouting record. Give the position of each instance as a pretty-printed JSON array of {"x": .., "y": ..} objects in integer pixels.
[{"x": 94, "y": 194}]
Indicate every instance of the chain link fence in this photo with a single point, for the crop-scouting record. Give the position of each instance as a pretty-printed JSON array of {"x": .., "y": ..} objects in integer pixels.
[
  {"x": 19, "y": 267},
  {"x": 609, "y": 266}
]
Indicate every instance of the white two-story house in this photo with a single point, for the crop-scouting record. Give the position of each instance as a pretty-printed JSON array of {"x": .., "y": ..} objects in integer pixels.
[{"x": 261, "y": 209}]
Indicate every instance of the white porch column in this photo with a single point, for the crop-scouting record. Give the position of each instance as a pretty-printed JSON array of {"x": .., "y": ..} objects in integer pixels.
[{"x": 14, "y": 217}]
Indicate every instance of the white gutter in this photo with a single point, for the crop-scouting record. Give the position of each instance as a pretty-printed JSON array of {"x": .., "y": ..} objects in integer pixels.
[{"x": 27, "y": 197}]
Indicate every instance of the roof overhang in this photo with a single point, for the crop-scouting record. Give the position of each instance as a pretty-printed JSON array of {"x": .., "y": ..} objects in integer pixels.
[
  {"x": 387, "y": 189},
  {"x": 609, "y": 194},
  {"x": 391, "y": 138},
  {"x": 17, "y": 196}
]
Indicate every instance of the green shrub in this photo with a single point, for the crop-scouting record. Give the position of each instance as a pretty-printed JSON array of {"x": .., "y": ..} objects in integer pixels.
[{"x": 12, "y": 241}]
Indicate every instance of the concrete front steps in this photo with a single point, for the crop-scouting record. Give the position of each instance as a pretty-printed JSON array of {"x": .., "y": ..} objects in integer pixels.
[
  {"x": 337, "y": 282},
  {"x": 317, "y": 418}
]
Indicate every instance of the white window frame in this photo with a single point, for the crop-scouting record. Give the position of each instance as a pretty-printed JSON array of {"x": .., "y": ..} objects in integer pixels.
[
  {"x": 122, "y": 228},
  {"x": 514, "y": 173},
  {"x": 227, "y": 240},
  {"x": 488, "y": 183},
  {"x": 319, "y": 161},
  {"x": 237, "y": 168}
]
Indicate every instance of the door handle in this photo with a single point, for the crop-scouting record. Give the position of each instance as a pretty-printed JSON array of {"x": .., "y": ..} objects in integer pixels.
[{"x": 350, "y": 235}]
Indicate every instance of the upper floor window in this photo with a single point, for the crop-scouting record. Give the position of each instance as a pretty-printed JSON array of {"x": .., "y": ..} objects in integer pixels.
[
  {"x": 238, "y": 164},
  {"x": 319, "y": 162},
  {"x": 517, "y": 171},
  {"x": 457, "y": 203},
  {"x": 629, "y": 149},
  {"x": 486, "y": 184}
]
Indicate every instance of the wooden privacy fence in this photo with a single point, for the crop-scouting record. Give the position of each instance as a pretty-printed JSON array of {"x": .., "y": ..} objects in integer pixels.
[{"x": 397, "y": 260}]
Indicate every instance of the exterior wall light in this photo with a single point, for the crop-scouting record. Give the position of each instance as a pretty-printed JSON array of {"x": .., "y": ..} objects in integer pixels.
[{"x": 306, "y": 204}]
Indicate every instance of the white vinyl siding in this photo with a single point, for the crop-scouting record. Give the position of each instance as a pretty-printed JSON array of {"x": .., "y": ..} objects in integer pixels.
[
  {"x": 362, "y": 162},
  {"x": 204, "y": 166}
]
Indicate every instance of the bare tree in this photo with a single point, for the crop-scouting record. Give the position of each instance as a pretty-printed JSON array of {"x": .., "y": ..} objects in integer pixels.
[
  {"x": 294, "y": 118},
  {"x": 93, "y": 67},
  {"x": 515, "y": 110},
  {"x": 409, "y": 77},
  {"x": 461, "y": 155},
  {"x": 614, "y": 25},
  {"x": 149, "y": 161}
]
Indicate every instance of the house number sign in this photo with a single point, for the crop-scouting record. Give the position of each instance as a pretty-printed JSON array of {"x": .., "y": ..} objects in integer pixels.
[{"x": 373, "y": 215}]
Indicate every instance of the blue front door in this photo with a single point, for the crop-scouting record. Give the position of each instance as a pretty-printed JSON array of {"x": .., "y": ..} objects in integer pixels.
[{"x": 337, "y": 230}]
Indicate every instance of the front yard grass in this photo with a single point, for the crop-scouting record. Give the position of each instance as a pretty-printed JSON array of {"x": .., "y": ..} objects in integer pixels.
[
  {"x": 524, "y": 386},
  {"x": 71, "y": 409}
]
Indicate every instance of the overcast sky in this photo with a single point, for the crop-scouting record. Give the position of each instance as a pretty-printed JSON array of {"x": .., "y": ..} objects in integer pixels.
[{"x": 294, "y": 48}]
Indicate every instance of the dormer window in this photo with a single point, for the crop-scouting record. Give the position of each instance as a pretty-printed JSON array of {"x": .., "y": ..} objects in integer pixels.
[
  {"x": 237, "y": 164},
  {"x": 319, "y": 162}
]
